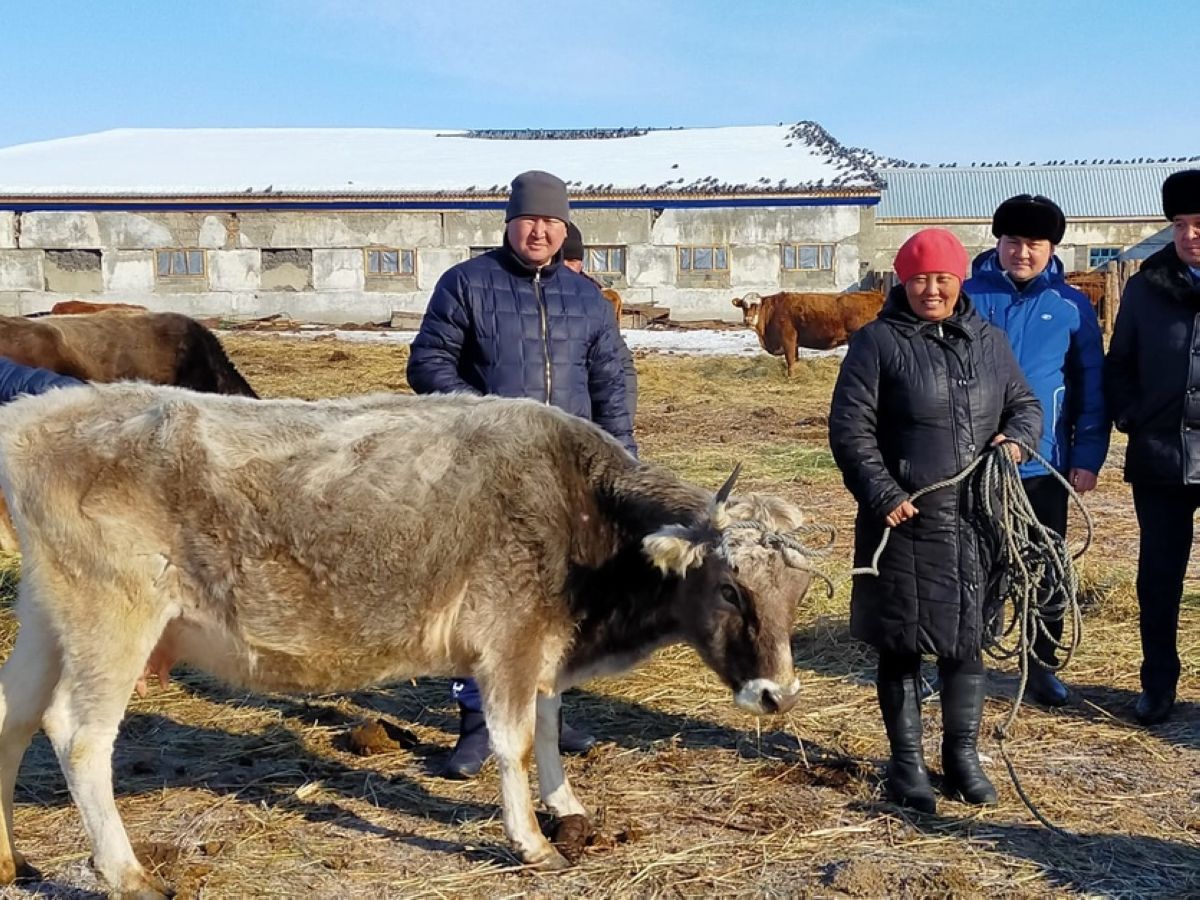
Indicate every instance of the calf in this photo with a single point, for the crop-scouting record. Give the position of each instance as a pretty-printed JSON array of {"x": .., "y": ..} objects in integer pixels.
[
  {"x": 293, "y": 546},
  {"x": 786, "y": 321}
]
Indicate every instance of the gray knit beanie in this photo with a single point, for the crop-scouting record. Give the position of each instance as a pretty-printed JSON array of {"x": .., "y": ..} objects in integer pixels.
[{"x": 538, "y": 194}]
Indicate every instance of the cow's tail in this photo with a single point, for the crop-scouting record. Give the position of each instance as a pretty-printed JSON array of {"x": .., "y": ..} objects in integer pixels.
[{"x": 204, "y": 366}]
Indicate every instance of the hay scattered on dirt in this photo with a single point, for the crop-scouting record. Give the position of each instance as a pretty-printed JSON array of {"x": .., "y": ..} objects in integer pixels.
[{"x": 264, "y": 796}]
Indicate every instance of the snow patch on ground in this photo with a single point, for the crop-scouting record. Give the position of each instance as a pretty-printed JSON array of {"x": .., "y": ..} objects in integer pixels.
[{"x": 690, "y": 342}]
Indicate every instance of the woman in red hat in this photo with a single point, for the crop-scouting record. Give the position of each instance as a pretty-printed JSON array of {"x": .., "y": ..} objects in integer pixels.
[{"x": 924, "y": 390}]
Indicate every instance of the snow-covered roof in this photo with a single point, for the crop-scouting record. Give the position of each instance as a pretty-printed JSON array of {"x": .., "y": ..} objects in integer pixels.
[{"x": 801, "y": 158}]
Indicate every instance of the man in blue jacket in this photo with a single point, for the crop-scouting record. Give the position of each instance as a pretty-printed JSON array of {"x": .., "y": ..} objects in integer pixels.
[
  {"x": 514, "y": 322},
  {"x": 1020, "y": 287}
]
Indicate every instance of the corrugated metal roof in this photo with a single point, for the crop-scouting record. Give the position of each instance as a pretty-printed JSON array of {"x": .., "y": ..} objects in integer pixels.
[{"x": 1119, "y": 190}]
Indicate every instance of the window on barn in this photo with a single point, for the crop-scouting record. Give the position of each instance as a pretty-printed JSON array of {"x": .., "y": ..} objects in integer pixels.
[
  {"x": 383, "y": 262},
  {"x": 604, "y": 260},
  {"x": 1102, "y": 256},
  {"x": 180, "y": 263},
  {"x": 806, "y": 257},
  {"x": 703, "y": 259}
]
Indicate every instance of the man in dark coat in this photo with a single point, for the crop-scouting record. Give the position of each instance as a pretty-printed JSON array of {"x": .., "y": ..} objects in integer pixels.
[
  {"x": 573, "y": 252},
  {"x": 1152, "y": 380},
  {"x": 924, "y": 390},
  {"x": 514, "y": 322}
]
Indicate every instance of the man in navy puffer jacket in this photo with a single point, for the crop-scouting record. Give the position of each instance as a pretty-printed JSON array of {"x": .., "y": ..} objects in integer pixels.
[
  {"x": 1020, "y": 287},
  {"x": 514, "y": 322}
]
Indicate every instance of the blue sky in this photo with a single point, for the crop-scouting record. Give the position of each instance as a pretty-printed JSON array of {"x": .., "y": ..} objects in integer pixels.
[{"x": 927, "y": 81}]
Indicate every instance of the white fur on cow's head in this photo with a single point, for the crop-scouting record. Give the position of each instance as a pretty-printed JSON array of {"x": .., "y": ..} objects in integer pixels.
[
  {"x": 750, "y": 305},
  {"x": 674, "y": 549}
]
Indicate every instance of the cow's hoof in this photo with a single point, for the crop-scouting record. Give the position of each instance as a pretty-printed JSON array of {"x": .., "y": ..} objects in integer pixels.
[
  {"x": 18, "y": 871},
  {"x": 551, "y": 862},
  {"x": 147, "y": 887},
  {"x": 571, "y": 836}
]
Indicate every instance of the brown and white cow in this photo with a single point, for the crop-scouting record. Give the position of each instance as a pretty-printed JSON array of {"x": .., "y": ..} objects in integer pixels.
[
  {"x": 292, "y": 546},
  {"x": 788, "y": 320}
]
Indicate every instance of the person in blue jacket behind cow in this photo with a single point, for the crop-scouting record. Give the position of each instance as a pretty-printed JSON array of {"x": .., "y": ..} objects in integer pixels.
[
  {"x": 16, "y": 379},
  {"x": 1020, "y": 287},
  {"x": 516, "y": 323}
]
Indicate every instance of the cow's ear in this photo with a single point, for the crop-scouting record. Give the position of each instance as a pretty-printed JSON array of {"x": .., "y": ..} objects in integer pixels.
[
  {"x": 737, "y": 301},
  {"x": 673, "y": 549}
]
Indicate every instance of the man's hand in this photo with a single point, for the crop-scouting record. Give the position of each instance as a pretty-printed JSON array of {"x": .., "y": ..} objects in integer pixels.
[
  {"x": 901, "y": 513},
  {"x": 1082, "y": 480}
]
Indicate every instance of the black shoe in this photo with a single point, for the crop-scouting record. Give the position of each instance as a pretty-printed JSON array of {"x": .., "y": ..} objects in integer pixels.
[
  {"x": 962, "y": 712},
  {"x": 1044, "y": 687},
  {"x": 907, "y": 778},
  {"x": 572, "y": 740},
  {"x": 472, "y": 749},
  {"x": 1154, "y": 707}
]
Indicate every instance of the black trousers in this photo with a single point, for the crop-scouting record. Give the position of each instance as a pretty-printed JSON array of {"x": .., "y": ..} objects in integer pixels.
[
  {"x": 1048, "y": 498},
  {"x": 1164, "y": 514},
  {"x": 896, "y": 666}
]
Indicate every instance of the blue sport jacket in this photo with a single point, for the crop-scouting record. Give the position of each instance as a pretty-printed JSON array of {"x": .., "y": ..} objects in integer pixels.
[{"x": 1056, "y": 338}]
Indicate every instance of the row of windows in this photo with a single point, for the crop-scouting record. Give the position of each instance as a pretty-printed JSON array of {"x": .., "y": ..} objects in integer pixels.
[{"x": 610, "y": 261}]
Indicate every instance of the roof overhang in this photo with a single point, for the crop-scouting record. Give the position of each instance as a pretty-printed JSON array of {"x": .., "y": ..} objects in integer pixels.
[{"x": 431, "y": 202}]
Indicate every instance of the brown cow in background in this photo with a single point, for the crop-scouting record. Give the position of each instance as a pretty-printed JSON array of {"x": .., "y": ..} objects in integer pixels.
[
  {"x": 787, "y": 320},
  {"x": 120, "y": 345},
  {"x": 83, "y": 307},
  {"x": 162, "y": 348}
]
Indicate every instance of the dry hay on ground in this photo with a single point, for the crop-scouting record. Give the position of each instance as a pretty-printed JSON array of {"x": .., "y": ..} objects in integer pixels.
[{"x": 242, "y": 795}]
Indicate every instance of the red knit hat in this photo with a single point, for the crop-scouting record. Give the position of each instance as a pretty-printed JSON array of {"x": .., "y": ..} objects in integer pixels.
[{"x": 931, "y": 250}]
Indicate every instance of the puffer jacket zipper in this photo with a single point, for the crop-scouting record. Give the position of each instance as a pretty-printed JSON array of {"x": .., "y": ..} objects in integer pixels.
[{"x": 537, "y": 292}]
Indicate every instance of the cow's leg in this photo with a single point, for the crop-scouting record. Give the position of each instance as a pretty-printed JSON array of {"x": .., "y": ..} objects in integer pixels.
[
  {"x": 99, "y": 673},
  {"x": 553, "y": 786},
  {"x": 8, "y": 534},
  {"x": 511, "y": 713},
  {"x": 26, "y": 683},
  {"x": 790, "y": 352}
]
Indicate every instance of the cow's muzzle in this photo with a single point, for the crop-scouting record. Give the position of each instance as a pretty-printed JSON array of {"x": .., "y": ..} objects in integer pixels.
[{"x": 762, "y": 696}]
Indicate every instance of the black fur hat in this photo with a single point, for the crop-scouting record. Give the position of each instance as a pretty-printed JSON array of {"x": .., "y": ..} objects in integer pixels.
[
  {"x": 1181, "y": 194},
  {"x": 572, "y": 247},
  {"x": 1035, "y": 217}
]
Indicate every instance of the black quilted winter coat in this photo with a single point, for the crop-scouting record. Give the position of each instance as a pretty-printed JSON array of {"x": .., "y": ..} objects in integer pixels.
[
  {"x": 915, "y": 402},
  {"x": 1152, "y": 372},
  {"x": 495, "y": 325}
]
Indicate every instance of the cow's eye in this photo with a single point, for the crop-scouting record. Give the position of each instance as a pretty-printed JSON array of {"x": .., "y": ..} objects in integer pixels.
[{"x": 731, "y": 596}]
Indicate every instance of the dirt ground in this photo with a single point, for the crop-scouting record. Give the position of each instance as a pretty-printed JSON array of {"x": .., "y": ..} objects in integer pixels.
[{"x": 235, "y": 795}]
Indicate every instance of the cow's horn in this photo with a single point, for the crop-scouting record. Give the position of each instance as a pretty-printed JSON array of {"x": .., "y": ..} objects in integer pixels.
[
  {"x": 718, "y": 503},
  {"x": 753, "y": 295}
]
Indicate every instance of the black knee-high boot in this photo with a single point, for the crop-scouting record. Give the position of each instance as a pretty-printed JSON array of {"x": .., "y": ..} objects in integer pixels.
[
  {"x": 907, "y": 777},
  {"x": 962, "y": 712}
]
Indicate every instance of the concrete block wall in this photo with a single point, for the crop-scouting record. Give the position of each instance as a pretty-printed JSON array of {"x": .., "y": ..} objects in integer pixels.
[{"x": 325, "y": 278}]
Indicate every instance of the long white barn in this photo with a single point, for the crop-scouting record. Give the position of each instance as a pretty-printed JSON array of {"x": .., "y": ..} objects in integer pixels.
[
  {"x": 354, "y": 224},
  {"x": 344, "y": 225}
]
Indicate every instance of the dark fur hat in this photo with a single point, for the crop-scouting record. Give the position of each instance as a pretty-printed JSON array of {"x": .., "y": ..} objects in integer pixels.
[
  {"x": 572, "y": 247},
  {"x": 1181, "y": 194},
  {"x": 1035, "y": 217}
]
